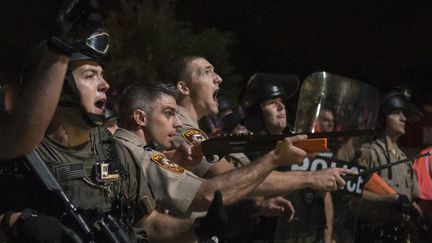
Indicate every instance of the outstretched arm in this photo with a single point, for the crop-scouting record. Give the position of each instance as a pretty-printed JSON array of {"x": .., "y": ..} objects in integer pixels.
[
  {"x": 282, "y": 183},
  {"x": 238, "y": 183}
]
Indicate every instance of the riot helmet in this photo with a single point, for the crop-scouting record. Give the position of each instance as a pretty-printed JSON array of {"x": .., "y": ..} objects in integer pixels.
[
  {"x": 262, "y": 87},
  {"x": 97, "y": 50},
  {"x": 396, "y": 100}
]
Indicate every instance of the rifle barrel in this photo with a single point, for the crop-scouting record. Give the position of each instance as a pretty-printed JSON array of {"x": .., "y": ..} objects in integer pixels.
[
  {"x": 348, "y": 133},
  {"x": 375, "y": 169}
]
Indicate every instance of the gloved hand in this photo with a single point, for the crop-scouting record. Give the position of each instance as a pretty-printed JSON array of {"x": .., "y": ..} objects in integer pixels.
[
  {"x": 403, "y": 204},
  {"x": 213, "y": 224},
  {"x": 76, "y": 20},
  {"x": 31, "y": 227}
]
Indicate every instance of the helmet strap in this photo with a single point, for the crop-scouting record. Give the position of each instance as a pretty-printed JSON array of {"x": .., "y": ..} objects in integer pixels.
[{"x": 70, "y": 88}]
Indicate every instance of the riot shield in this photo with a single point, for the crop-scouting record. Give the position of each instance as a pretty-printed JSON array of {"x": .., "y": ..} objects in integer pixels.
[{"x": 329, "y": 102}]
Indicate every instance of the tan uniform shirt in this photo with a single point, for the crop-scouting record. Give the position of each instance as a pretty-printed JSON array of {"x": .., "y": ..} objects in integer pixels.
[
  {"x": 173, "y": 187},
  {"x": 189, "y": 133},
  {"x": 403, "y": 179},
  {"x": 239, "y": 160}
]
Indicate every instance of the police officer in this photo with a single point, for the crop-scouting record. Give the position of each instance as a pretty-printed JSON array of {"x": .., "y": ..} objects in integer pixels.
[
  {"x": 149, "y": 114},
  {"x": 24, "y": 127},
  {"x": 98, "y": 174},
  {"x": 198, "y": 85},
  {"x": 264, "y": 100},
  {"x": 384, "y": 216}
]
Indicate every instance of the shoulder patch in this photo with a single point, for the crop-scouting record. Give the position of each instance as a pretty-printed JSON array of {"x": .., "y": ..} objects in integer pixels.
[
  {"x": 165, "y": 163},
  {"x": 194, "y": 135}
]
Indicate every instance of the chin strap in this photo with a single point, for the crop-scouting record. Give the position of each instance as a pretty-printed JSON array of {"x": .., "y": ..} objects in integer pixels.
[{"x": 70, "y": 90}]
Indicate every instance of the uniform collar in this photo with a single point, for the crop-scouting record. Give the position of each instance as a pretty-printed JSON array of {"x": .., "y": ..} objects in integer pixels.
[{"x": 129, "y": 136}]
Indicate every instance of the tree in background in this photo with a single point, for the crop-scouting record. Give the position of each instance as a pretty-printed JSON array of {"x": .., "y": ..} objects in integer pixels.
[{"x": 146, "y": 35}]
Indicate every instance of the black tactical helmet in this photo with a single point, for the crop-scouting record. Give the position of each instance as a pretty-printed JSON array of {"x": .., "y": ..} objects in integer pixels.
[
  {"x": 263, "y": 86},
  {"x": 97, "y": 49},
  {"x": 396, "y": 100}
]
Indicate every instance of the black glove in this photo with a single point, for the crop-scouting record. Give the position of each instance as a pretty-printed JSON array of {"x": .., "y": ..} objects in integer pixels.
[
  {"x": 213, "y": 224},
  {"x": 403, "y": 204},
  {"x": 31, "y": 227},
  {"x": 76, "y": 20}
]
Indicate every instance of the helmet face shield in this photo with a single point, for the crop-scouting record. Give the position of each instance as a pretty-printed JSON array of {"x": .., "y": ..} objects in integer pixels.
[
  {"x": 99, "y": 42},
  {"x": 352, "y": 104}
]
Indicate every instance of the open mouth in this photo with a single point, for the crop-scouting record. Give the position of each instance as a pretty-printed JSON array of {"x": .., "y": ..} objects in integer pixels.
[
  {"x": 100, "y": 104},
  {"x": 215, "y": 95}
]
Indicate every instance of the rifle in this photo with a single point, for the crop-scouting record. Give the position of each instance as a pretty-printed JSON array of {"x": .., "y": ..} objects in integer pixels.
[
  {"x": 381, "y": 167},
  {"x": 109, "y": 226},
  {"x": 222, "y": 145}
]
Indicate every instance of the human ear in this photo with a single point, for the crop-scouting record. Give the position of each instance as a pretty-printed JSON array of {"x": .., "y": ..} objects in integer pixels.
[
  {"x": 182, "y": 87},
  {"x": 140, "y": 117}
]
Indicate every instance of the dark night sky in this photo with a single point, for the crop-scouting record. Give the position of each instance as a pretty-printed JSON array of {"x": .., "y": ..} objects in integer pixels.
[{"x": 380, "y": 42}]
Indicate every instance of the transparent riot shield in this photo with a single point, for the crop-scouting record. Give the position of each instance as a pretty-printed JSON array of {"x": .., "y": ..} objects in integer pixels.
[{"x": 329, "y": 102}]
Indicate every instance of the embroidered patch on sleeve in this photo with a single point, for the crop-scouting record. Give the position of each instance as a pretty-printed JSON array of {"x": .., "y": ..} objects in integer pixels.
[
  {"x": 165, "y": 163},
  {"x": 194, "y": 135}
]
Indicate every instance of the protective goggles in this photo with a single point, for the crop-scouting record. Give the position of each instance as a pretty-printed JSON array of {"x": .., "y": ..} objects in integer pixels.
[{"x": 99, "y": 42}]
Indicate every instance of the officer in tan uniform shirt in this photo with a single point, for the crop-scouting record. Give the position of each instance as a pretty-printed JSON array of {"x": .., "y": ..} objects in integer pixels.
[
  {"x": 384, "y": 217},
  {"x": 198, "y": 85},
  {"x": 149, "y": 112},
  {"x": 173, "y": 186},
  {"x": 191, "y": 133}
]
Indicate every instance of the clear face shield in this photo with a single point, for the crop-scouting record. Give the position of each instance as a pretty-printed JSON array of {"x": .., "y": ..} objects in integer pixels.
[{"x": 330, "y": 103}]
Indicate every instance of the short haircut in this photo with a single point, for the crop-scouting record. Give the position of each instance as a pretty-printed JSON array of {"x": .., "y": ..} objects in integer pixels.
[
  {"x": 177, "y": 69},
  {"x": 143, "y": 96}
]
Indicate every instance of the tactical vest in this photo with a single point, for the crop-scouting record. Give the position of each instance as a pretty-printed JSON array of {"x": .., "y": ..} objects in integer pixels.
[{"x": 94, "y": 176}]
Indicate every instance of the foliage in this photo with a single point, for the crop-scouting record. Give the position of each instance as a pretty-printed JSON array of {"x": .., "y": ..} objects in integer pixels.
[{"x": 146, "y": 35}]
